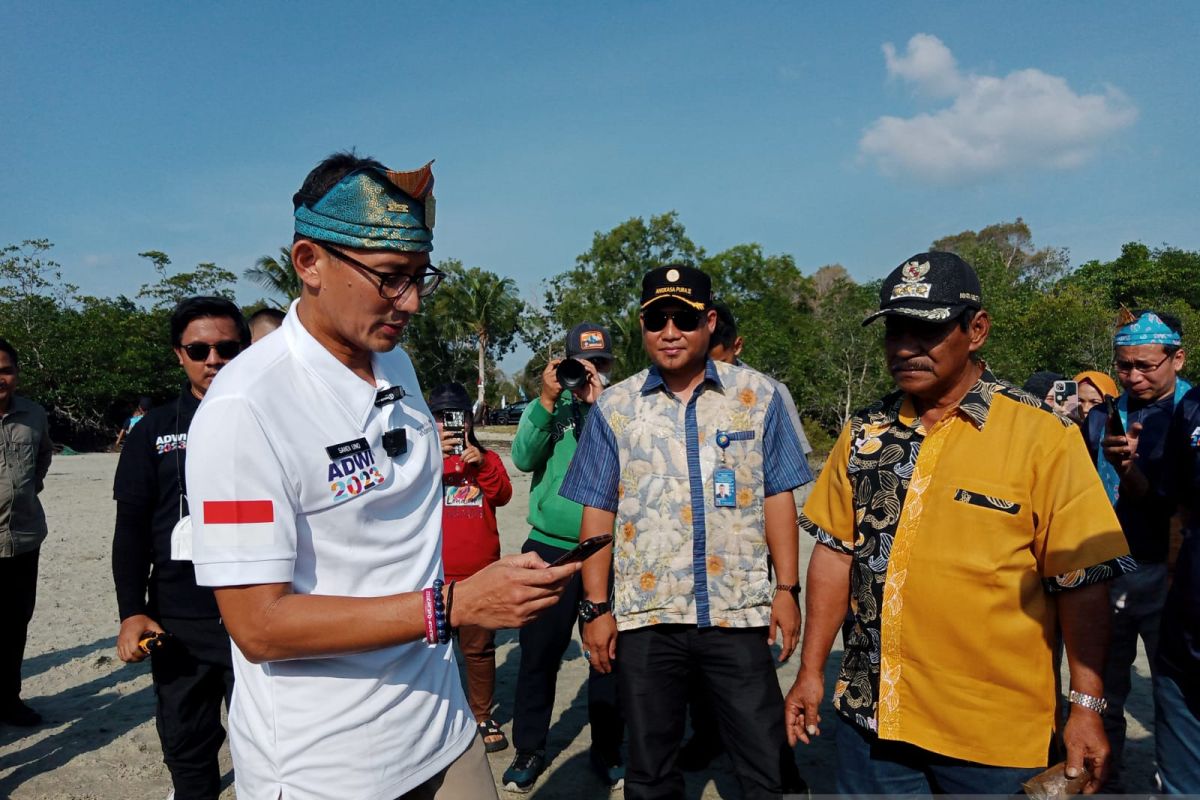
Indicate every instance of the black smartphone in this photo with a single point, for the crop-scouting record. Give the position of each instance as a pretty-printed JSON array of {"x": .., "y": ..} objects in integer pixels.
[
  {"x": 453, "y": 422},
  {"x": 1114, "y": 426},
  {"x": 586, "y": 549}
]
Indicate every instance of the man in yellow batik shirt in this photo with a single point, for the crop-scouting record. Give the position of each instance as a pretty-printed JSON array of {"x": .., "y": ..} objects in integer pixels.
[{"x": 959, "y": 520}]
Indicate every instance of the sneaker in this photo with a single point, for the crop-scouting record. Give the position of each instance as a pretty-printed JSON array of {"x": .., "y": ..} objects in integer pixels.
[
  {"x": 610, "y": 769},
  {"x": 18, "y": 714},
  {"x": 524, "y": 770}
]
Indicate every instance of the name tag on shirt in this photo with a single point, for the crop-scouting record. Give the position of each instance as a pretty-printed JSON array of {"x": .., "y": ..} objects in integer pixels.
[
  {"x": 724, "y": 488},
  {"x": 339, "y": 451}
]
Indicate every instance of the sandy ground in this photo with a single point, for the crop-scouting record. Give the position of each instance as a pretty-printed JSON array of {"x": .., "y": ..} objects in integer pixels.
[{"x": 99, "y": 741}]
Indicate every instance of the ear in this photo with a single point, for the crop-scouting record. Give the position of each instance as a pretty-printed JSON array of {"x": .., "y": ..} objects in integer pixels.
[
  {"x": 306, "y": 260},
  {"x": 179, "y": 355},
  {"x": 711, "y": 316},
  {"x": 979, "y": 329},
  {"x": 1179, "y": 360},
  {"x": 737, "y": 347}
]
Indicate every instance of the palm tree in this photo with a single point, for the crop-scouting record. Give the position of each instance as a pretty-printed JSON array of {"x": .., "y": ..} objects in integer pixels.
[
  {"x": 484, "y": 304},
  {"x": 276, "y": 275}
]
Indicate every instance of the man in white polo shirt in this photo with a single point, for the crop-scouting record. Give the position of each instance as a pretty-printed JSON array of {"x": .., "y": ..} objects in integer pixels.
[{"x": 316, "y": 508}]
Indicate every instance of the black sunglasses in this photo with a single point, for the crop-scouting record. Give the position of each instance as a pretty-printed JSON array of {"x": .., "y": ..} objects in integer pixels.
[
  {"x": 394, "y": 284},
  {"x": 198, "y": 351},
  {"x": 685, "y": 319}
]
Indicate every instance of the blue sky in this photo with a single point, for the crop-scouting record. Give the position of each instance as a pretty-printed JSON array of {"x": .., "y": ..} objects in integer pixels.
[{"x": 187, "y": 127}]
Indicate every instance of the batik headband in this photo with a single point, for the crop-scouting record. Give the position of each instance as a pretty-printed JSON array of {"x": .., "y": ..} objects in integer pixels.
[
  {"x": 1147, "y": 329},
  {"x": 373, "y": 210}
]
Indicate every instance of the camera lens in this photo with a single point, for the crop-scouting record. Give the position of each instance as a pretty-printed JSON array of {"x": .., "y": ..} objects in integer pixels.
[{"x": 571, "y": 373}]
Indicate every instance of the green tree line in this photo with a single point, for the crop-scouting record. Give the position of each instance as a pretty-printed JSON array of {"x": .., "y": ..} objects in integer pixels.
[{"x": 88, "y": 358}]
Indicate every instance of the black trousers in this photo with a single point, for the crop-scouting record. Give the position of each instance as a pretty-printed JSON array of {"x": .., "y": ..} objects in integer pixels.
[
  {"x": 739, "y": 675},
  {"x": 18, "y": 595},
  {"x": 543, "y": 643},
  {"x": 706, "y": 733},
  {"x": 191, "y": 679}
]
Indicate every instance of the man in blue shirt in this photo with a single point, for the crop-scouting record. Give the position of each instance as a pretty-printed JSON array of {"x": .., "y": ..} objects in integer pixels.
[
  {"x": 1148, "y": 358},
  {"x": 694, "y": 462}
]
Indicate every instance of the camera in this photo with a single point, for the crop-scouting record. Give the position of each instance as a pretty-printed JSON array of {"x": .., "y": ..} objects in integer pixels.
[{"x": 571, "y": 373}]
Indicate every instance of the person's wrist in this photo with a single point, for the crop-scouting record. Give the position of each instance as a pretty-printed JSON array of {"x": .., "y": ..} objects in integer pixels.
[
  {"x": 461, "y": 607},
  {"x": 808, "y": 670}
]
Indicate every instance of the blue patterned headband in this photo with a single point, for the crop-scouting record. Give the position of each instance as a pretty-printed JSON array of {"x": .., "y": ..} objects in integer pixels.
[
  {"x": 374, "y": 210},
  {"x": 1147, "y": 329}
]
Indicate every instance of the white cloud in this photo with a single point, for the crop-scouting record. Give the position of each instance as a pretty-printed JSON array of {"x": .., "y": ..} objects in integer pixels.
[
  {"x": 928, "y": 64},
  {"x": 1026, "y": 119}
]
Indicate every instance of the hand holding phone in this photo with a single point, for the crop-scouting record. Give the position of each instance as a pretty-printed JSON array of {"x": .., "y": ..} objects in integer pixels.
[{"x": 586, "y": 549}]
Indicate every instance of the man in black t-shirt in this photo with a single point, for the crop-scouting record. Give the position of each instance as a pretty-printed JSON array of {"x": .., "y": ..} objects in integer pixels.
[
  {"x": 156, "y": 587},
  {"x": 1177, "y": 673}
]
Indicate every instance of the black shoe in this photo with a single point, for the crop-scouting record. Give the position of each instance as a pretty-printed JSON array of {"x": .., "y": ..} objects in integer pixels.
[
  {"x": 610, "y": 769},
  {"x": 524, "y": 771},
  {"x": 18, "y": 714},
  {"x": 700, "y": 751}
]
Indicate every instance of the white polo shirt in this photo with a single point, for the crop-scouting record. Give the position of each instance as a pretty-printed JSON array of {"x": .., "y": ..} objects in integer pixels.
[{"x": 288, "y": 482}]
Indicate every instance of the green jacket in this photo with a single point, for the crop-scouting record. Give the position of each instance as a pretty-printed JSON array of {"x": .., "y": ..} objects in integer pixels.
[{"x": 544, "y": 445}]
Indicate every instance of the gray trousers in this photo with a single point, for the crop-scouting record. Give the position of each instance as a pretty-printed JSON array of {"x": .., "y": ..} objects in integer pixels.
[{"x": 1136, "y": 601}]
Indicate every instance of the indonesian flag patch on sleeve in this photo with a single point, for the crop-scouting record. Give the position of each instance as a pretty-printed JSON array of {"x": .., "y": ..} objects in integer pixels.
[{"x": 239, "y": 523}]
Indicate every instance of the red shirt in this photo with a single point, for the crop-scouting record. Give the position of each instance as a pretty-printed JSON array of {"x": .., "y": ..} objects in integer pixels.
[{"x": 471, "y": 494}]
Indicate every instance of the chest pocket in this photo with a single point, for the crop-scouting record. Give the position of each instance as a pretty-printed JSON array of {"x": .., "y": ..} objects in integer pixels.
[{"x": 987, "y": 501}]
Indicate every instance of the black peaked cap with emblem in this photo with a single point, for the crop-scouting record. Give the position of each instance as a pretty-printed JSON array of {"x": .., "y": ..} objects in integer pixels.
[
  {"x": 934, "y": 287},
  {"x": 589, "y": 340},
  {"x": 677, "y": 282}
]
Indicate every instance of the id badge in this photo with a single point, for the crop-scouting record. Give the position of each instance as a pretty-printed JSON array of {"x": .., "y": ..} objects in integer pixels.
[{"x": 724, "y": 488}]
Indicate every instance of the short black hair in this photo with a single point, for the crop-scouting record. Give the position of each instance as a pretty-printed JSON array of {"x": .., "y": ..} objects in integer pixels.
[
  {"x": 5, "y": 347},
  {"x": 325, "y": 176},
  {"x": 726, "y": 331},
  {"x": 273, "y": 314},
  {"x": 200, "y": 307}
]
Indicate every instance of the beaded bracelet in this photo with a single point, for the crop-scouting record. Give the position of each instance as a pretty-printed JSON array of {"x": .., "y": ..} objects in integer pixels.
[{"x": 439, "y": 610}]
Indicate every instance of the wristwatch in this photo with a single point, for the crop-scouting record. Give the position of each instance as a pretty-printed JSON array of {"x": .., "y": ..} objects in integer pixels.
[
  {"x": 588, "y": 610},
  {"x": 1097, "y": 704},
  {"x": 791, "y": 588}
]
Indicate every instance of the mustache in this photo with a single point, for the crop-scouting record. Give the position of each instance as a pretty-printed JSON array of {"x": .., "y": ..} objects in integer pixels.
[{"x": 910, "y": 365}]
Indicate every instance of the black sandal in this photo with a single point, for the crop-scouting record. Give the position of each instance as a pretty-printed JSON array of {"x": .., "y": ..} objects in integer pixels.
[{"x": 489, "y": 728}]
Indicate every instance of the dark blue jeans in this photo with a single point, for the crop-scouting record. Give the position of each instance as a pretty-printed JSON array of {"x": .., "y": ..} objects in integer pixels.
[
  {"x": 1176, "y": 738},
  {"x": 867, "y": 765}
]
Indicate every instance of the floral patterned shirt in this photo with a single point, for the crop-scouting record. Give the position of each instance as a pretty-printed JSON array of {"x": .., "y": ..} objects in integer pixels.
[
  {"x": 650, "y": 457},
  {"x": 959, "y": 535}
]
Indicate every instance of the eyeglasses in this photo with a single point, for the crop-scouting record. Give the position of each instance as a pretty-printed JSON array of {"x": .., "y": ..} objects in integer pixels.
[
  {"x": 685, "y": 319},
  {"x": 198, "y": 351},
  {"x": 1126, "y": 367},
  {"x": 395, "y": 284}
]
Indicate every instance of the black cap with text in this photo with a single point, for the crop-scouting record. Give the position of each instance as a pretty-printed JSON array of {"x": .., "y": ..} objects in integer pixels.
[{"x": 677, "y": 282}]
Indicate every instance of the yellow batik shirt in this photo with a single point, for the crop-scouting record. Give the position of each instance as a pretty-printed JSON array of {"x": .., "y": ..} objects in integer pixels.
[{"x": 960, "y": 537}]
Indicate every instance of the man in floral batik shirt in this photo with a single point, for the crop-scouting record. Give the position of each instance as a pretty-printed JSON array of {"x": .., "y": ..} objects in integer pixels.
[
  {"x": 694, "y": 461},
  {"x": 958, "y": 519}
]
